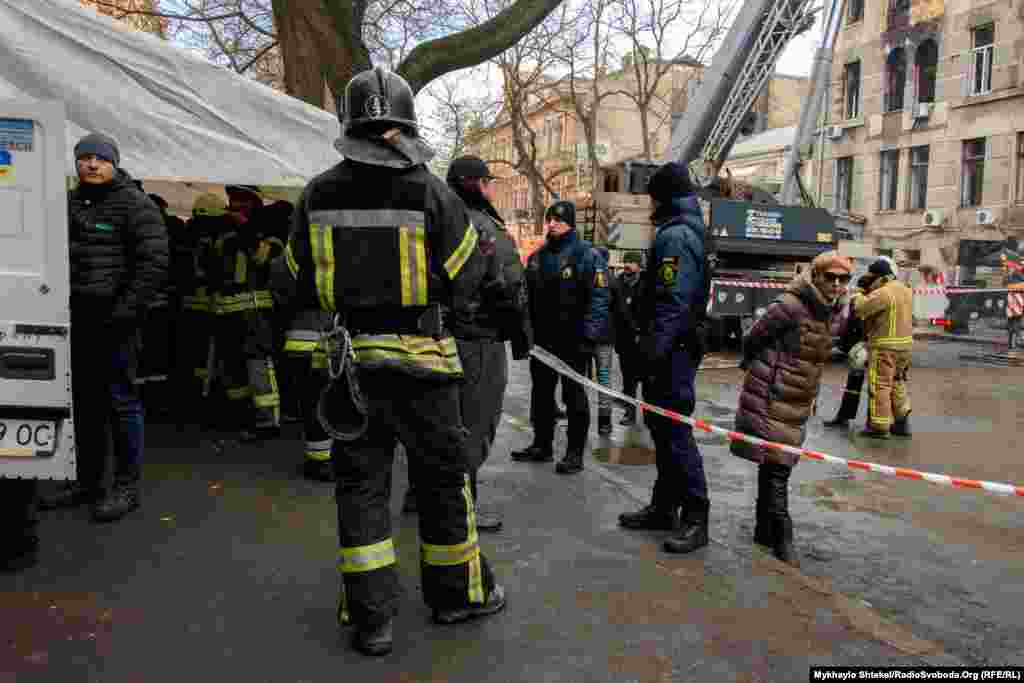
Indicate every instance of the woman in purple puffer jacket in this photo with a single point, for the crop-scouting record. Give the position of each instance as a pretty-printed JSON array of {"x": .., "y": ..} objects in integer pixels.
[{"x": 784, "y": 356}]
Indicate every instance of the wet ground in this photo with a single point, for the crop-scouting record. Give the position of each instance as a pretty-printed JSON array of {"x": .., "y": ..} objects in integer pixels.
[{"x": 228, "y": 573}]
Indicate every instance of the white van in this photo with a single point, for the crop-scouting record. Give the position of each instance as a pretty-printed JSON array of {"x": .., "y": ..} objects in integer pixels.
[{"x": 36, "y": 434}]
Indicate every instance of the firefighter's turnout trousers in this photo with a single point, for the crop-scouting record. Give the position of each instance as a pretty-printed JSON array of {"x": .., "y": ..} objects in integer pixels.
[
  {"x": 309, "y": 363},
  {"x": 424, "y": 414},
  {"x": 887, "y": 387}
]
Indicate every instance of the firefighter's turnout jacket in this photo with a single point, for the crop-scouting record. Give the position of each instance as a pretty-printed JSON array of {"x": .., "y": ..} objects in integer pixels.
[
  {"x": 887, "y": 312},
  {"x": 387, "y": 261}
]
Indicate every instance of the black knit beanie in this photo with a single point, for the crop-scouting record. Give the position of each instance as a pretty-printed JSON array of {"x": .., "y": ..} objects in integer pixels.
[{"x": 99, "y": 144}]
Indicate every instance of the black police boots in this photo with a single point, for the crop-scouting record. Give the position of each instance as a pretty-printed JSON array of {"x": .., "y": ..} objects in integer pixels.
[
  {"x": 764, "y": 527},
  {"x": 650, "y": 518},
  {"x": 534, "y": 453},
  {"x": 70, "y": 495},
  {"x": 693, "y": 531},
  {"x": 572, "y": 463},
  {"x": 847, "y": 411}
]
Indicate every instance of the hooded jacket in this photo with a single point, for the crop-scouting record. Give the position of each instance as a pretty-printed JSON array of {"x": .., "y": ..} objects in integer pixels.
[
  {"x": 118, "y": 251},
  {"x": 785, "y": 354}
]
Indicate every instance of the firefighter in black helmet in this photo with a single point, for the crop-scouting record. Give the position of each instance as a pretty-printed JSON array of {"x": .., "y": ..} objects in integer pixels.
[{"x": 384, "y": 244}]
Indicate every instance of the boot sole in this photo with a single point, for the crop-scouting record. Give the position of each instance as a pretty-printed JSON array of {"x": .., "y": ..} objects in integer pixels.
[{"x": 470, "y": 614}]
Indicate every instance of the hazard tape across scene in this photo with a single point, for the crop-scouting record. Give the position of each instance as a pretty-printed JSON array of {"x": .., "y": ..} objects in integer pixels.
[
  {"x": 765, "y": 284},
  {"x": 559, "y": 366}
]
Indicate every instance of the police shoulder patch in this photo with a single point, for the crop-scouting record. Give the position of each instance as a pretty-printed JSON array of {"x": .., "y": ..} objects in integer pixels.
[
  {"x": 567, "y": 273},
  {"x": 600, "y": 279},
  {"x": 668, "y": 270}
]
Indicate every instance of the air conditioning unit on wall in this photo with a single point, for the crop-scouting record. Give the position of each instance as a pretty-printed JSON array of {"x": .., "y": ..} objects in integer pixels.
[
  {"x": 834, "y": 132},
  {"x": 932, "y": 218},
  {"x": 986, "y": 217},
  {"x": 923, "y": 110}
]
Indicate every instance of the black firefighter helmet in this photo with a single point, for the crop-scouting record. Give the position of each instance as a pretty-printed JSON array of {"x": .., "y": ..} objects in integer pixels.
[{"x": 375, "y": 100}]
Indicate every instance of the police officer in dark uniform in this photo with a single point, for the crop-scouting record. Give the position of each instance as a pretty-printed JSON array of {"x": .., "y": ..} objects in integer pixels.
[
  {"x": 675, "y": 292},
  {"x": 624, "y": 293},
  {"x": 567, "y": 282},
  {"x": 387, "y": 246},
  {"x": 497, "y": 315}
]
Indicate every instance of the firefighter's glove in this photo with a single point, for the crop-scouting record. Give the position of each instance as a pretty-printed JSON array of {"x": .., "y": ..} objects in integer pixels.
[{"x": 262, "y": 252}]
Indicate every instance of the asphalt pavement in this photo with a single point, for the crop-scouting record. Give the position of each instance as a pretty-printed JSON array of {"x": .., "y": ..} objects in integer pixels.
[{"x": 228, "y": 573}]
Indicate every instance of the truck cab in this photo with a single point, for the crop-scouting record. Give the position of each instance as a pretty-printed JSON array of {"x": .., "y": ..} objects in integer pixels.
[{"x": 36, "y": 428}]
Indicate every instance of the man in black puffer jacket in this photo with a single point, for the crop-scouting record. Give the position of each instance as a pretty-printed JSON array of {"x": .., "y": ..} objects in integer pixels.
[{"x": 118, "y": 262}]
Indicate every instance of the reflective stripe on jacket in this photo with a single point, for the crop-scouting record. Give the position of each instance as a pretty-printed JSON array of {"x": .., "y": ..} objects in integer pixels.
[{"x": 888, "y": 315}]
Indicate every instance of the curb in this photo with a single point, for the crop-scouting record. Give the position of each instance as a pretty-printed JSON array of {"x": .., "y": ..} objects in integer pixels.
[{"x": 963, "y": 339}]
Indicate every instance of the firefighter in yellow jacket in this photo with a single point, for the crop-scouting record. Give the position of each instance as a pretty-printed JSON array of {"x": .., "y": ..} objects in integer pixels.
[
  {"x": 886, "y": 306},
  {"x": 387, "y": 246}
]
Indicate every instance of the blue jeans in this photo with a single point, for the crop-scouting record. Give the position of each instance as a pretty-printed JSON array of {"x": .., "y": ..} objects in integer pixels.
[{"x": 107, "y": 407}]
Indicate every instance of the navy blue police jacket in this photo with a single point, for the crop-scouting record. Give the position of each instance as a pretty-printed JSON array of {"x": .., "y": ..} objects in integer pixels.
[
  {"x": 569, "y": 296},
  {"x": 677, "y": 275}
]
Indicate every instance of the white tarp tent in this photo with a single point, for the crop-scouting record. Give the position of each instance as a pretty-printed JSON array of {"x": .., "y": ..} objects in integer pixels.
[{"x": 174, "y": 115}]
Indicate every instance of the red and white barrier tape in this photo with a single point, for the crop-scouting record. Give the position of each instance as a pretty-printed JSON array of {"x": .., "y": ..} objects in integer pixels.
[
  {"x": 764, "y": 284},
  {"x": 559, "y": 366}
]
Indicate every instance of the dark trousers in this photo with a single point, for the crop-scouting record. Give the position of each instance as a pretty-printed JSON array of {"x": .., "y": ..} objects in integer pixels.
[
  {"x": 631, "y": 371},
  {"x": 107, "y": 407},
  {"x": 308, "y": 381},
  {"x": 542, "y": 401},
  {"x": 679, "y": 463},
  {"x": 425, "y": 416},
  {"x": 19, "y": 517}
]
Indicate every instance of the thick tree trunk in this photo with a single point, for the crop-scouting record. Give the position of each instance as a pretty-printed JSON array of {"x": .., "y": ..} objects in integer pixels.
[
  {"x": 302, "y": 77},
  {"x": 473, "y": 46}
]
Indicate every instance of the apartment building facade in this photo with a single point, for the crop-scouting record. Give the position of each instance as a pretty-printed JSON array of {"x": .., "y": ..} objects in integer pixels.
[
  {"x": 926, "y": 129},
  {"x": 562, "y": 149}
]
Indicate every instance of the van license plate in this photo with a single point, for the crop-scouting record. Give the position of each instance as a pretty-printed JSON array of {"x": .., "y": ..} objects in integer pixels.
[{"x": 26, "y": 438}]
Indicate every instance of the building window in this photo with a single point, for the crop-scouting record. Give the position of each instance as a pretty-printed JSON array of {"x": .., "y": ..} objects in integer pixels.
[
  {"x": 919, "y": 178},
  {"x": 851, "y": 90},
  {"x": 983, "y": 39},
  {"x": 895, "y": 79},
  {"x": 844, "y": 184},
  {"x": 974, "y": 172},
  {"x": 1020, "y": 167},
  {"x": 889, "y": 178},
  {"x": 854, "y": 11},
  {"x": 927, "y": 67}
]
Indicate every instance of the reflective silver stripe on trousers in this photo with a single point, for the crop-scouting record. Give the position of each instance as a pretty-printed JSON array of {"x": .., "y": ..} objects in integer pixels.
[
  {"x": 303, "y": 335},
  {"x": 367, "y": 218}
]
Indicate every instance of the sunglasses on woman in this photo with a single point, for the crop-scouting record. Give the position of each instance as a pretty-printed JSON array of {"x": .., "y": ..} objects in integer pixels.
[{"x": 841, "y": 278}]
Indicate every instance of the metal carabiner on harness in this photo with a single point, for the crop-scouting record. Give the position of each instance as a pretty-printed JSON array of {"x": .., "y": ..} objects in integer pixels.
[{"x": 341, "y": 358}]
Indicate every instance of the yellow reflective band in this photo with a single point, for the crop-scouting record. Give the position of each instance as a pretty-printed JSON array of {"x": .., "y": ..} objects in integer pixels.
[
  {"x": 241, "y": 268},
  {"x": 321, "y": 239},
  {"x": 300, "y": 346},
  {"x": 318, "y": 456},
  {"x": 375, "y": 358},
  {"x": 200, "y": 373},
  {"x": 476, "y": 575},
  {"x": 263, "y": 298},
  {"x": 270, "y": 400},
  {"x": 366, "y": 558},
  {"x": 289, "y": 258},
  {"x": 413, "y": 264},
  {"x": 238, "y": 393},
  {"x": 319, "y": 360},
  {"x": 450, "y": 555},
  {"x": 459, "y": 257},
  {"x": 274, "y": 242}
]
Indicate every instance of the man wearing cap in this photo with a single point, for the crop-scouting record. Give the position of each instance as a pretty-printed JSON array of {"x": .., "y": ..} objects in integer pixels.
[
  {"x": 567, "y": 283},
  {"x": 675, "y": 294},
  {"x": 886, "y": 306},
  {"x": 118, "y": 258},
  {"x": 625, "y": 289},
  {"x": 498, "y": 314}
]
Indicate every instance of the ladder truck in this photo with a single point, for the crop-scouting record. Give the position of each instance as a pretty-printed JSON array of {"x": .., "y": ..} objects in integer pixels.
[{"x": 758, "y": 241}]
